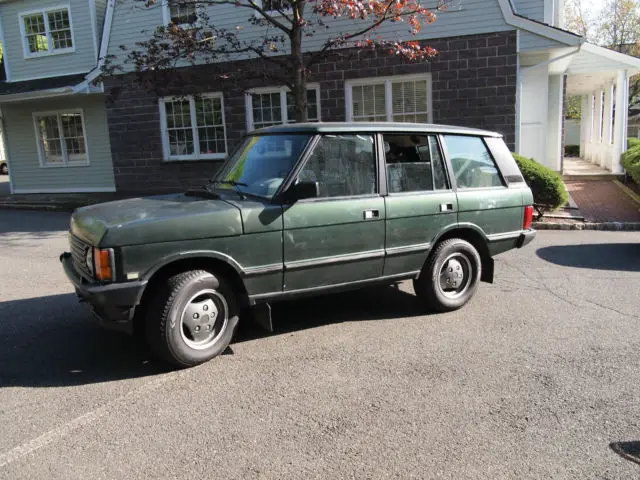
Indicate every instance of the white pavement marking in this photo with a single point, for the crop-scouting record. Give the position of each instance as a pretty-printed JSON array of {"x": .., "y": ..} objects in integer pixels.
[{"x": 57, "y": 433}]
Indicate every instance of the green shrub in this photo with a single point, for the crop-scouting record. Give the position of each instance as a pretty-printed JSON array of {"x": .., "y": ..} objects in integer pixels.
[
  {"x": 633, "y": 142},
  {"x": 549, "y": 192},
  {"x": 631, "y": 162},
  {"x": 572, "y": 150}
]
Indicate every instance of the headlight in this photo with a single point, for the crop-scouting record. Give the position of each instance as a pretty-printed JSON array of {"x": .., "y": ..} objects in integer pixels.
[
  {"x": 88, "y": 260},
  {"x": 104, "y": 262}
]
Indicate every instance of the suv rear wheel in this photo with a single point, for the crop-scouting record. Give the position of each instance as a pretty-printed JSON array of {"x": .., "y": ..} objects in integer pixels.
[
  {"x": 450, "y": 277},
  {"x": 192, "y": 318}
]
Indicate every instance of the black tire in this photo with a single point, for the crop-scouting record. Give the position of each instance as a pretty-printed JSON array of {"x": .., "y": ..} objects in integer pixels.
[
  {"x": 4, "y": 169},
  {"x": 438, "y": 286},
  {"x": 179, "y": 336}
]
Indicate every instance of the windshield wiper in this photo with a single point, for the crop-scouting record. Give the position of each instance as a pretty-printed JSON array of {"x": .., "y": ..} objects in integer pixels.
[
  {"x": 202, "y": 191},
  {"x": 234, "y": 184}
]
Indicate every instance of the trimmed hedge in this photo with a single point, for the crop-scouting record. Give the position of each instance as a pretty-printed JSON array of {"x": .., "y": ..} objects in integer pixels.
[
  {"x": 572, "y": 150},
  {"x": 549, "y": 192},
  {"x": 633, "y": 142},
  {"x": 631, "y": 161}
]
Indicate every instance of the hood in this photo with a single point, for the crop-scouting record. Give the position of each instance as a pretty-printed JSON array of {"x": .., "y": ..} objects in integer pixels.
[{"x": 164, "y": 218}]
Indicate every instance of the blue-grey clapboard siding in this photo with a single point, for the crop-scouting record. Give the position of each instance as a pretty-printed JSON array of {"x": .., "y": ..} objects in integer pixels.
[
  {"x": 80, "y": 61},
  {"x": 530, "y": 8},
  {"x": 133, "y": 23},
  {"x": 530, "y": 42},
  {"x": 26, "y": 173},
  {"x": 101, "y": 8}
]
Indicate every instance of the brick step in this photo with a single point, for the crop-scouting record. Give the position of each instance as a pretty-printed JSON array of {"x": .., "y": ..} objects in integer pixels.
[{"x": 593, "y": 177}]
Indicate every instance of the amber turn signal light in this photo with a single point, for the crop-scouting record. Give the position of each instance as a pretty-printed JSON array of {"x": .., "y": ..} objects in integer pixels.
[{"x": 103, "y": 259}]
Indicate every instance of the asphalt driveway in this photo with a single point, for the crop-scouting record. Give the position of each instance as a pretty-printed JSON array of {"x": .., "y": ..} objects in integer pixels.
[
  {"x": 537, "y": 378},
  {"x": 4, "y": 185}
]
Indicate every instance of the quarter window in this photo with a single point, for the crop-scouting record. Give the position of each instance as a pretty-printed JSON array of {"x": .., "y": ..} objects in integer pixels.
[
  {"x": 473, "y": 166},
  {"x": 46, "y": 32},
  {"x": 342, "y": 165},
  {"x": 414, "y": 163},
  {"x": 276, "y": 106},
  {"x": 193, "y": 128},
  {"x": 394, "y": 99},
  {"x": 61, "y": 138}
]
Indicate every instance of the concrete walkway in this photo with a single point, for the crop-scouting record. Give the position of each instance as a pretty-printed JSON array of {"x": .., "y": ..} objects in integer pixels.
[{"x": 573, "y": 166}]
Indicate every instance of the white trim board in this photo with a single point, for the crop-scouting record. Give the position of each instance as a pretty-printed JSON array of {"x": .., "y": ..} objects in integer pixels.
[{"x": 7, "y": 68}]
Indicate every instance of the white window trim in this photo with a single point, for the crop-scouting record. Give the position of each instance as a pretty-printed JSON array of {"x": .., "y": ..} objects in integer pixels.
[
  {"x": 166, "y": 14},
  {"x": 194, "y": 127},
  {"x": 51, "y": 50},
  {"x": 273, "y": 13},
  {"x": 248, "y": 102},
  {"x": 65, "y": 160},
  {"x": 387, "y": 81}
]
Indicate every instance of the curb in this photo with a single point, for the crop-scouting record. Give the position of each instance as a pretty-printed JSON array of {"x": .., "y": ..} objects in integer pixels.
[{"x": 604, "y": 226}]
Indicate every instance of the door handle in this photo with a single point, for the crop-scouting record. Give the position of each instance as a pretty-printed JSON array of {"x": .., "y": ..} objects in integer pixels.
[
  {"x": 446, "y": 207},
  {"x": 371, "y": 214}
]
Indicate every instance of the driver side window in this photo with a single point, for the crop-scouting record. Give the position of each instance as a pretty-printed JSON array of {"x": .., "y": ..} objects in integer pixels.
[{"x": 343, "y": 165}]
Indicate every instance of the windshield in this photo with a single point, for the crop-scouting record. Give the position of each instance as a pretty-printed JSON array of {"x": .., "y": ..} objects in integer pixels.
[{"x": 261, "y": 163}]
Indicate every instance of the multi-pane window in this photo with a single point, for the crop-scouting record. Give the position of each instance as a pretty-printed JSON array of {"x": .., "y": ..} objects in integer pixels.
[
  {"x": 193, "y": 127},
  {"x": 61, "y": 138},
  {"x": 473, "y": 165},
  {"x": 46, "y": 32},
  {"x": 275, "y": 106},
  {"x": 183, "y": 12},
  {"x": 397, "y": 99},
  {"x": 414, "y": 163},
  {"x": 342, "y": 165},
  {"x": 276, "y": 5}
]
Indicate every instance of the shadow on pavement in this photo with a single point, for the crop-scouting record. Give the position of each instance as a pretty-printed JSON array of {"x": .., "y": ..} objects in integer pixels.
[
  {"x": 627, "y": 450},
  {"x": 54, "y": 342},
  {"x": 601, "y": 256},
  {"x": 33, "y": 222}
]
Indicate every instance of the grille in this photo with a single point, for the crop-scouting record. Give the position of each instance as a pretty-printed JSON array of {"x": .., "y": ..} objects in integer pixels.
[{"x": 79, "y": 253}]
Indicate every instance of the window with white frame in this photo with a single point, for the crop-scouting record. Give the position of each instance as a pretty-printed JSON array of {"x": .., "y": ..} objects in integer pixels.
[
  {"x": 46, "y": 32},
  {"x": 181, "y": 12},
  {"x": 274, "y": 106},
  {"x": 193, "y": 127},
  {"x": 61, "y": 138},
  {"x": 393, "y": 99}
]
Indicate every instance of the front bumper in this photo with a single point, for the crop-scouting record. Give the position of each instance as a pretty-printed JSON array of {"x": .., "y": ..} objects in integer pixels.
[
  {"x": 113, "y": 304},
  {"x": 526, "y": 238}
]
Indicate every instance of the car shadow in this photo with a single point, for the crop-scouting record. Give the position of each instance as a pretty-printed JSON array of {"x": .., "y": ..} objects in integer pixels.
[
  {"x": 627, "y": 450},
  {"x": 53, "y": 341},
  {"x": 601, "y": 256}
]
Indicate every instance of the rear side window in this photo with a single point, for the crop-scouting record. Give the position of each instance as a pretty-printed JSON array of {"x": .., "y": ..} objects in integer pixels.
[
  {"x": 473, "y": 166},
  {"x": 414, "y": 163}
]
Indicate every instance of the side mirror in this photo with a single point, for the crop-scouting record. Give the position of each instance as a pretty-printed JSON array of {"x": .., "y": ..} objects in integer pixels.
[{"x": 302, "y": 190}]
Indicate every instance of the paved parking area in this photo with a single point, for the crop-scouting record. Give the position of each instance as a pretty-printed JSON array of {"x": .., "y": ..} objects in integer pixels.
[{"x": 537, "y": 378}]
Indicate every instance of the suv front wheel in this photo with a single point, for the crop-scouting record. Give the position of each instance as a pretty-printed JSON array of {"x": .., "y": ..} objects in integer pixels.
[
  {"x": 450, "y": 277},
  {"x": 192, "y": 318}
]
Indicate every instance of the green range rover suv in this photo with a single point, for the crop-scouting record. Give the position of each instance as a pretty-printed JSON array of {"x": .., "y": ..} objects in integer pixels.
[{"x": 298, "y": 210}]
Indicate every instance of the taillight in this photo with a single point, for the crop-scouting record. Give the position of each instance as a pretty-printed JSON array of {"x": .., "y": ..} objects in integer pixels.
[
  {"x": 528, "y": 217},
  {"x": 103, "y": 261}
]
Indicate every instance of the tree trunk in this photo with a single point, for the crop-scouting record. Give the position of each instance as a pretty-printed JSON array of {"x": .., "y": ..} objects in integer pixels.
[{"x": 299, "y": 72}]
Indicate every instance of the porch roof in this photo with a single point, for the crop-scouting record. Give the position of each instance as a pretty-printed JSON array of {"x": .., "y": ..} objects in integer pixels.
[
  {"x": 41, "y": 87},
  {"x": 591, "y": 67}
]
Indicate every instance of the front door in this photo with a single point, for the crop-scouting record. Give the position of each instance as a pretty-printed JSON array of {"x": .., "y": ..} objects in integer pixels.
[
  {"x": 420, "y": 203},
  {"x": 337, "y": 238}
]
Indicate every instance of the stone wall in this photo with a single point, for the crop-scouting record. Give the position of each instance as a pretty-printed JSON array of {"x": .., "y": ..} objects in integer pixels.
[{"x": 473, "y": 84}]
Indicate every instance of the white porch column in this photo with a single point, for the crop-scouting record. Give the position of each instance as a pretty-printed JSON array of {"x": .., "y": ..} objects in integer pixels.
[
  {"x": 554, "y": 123},
  {"x": 620, "y": 128},
  {"x": 608, "y": 115},
  {"x": 584, "y": 125},
  {"x": 597, "y": 139}
]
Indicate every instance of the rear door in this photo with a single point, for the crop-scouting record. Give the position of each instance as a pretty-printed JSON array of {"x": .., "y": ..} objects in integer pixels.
[
  {"x": 484, "y": 198},
  {"x": 420, "y": 201}
]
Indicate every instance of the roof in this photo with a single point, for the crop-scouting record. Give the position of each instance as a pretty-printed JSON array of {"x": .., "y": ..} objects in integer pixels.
[
  {"x": 395, "y": 127},
  {"x": 27, "y": 86}
]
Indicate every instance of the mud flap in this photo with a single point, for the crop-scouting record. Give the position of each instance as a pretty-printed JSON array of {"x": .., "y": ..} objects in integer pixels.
[
  {"x": 262, "y": 316},
  {"x": 487, "y": 270}
]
